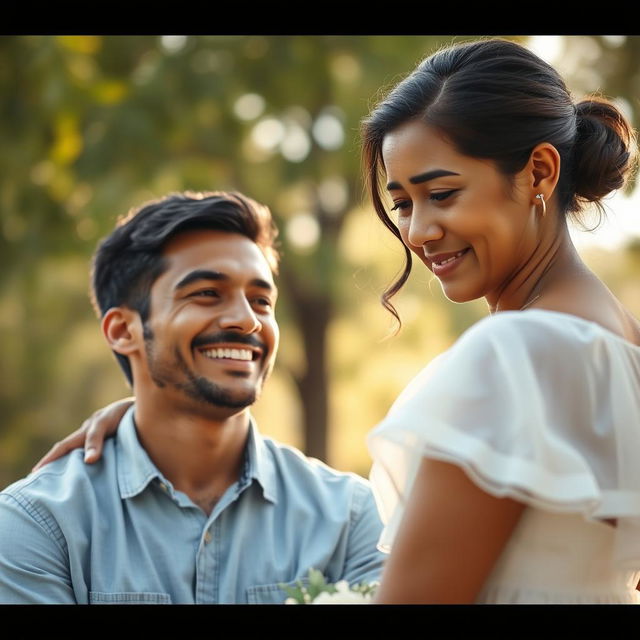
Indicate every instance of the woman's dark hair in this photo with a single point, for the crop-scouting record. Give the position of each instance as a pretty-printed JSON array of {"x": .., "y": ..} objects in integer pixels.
[
  {"x": 129, "y": 260},
  {"x": 495, "y": 99}
]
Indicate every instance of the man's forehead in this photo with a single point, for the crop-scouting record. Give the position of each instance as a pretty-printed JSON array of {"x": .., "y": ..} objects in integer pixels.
[{"x": 230, "y": 253}]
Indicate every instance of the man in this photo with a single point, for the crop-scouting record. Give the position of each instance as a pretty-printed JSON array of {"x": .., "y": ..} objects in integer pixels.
[{"x": 189, "y": 504}]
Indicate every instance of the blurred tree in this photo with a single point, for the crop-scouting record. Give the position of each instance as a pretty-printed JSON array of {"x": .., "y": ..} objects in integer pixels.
[
  {"x": 91, "y": 126},
  {"x": 607, "y": 64},
  {"x": 94, "y": 125}
]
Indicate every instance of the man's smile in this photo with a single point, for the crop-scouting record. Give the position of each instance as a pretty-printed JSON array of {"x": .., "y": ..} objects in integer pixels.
[
  {"x": 228, "y": 354},
  {"x": 230, "y": 347}
]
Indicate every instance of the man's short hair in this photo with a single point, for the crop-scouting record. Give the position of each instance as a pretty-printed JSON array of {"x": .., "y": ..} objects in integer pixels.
[{"x": 129, "y": 260}]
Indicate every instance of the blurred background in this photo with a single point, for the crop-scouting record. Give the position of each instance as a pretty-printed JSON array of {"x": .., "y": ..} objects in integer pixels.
[{"x": 94, "y": 125}]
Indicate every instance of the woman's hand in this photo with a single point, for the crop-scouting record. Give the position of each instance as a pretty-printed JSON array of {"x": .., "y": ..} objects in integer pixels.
[{"x": 91, "y": 435}]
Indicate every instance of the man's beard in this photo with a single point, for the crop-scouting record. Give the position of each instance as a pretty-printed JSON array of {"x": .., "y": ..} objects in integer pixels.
[{"x": 199, "y": 388}]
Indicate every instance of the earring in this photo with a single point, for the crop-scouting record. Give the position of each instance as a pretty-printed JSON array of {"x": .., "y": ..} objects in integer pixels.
[{"x": 540, "y": 197}]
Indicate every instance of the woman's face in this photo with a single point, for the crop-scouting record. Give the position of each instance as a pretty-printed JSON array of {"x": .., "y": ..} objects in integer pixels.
[{"x": 469, "y": 225}]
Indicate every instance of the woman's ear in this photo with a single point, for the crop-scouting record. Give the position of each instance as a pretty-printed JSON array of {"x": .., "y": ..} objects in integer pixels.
[
  {"x": 544, "y": 170},
  {"x": 122, "y": 329}
]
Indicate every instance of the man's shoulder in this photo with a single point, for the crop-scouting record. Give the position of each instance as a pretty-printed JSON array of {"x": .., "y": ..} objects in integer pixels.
[{"x": 67, "y": 479}]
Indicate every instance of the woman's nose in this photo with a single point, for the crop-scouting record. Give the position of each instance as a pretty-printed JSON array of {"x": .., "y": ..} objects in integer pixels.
[{"x": 423, "y": 228}]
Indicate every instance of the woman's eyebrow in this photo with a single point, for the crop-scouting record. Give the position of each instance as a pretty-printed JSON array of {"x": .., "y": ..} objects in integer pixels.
[{"x": 423, "y": 177}]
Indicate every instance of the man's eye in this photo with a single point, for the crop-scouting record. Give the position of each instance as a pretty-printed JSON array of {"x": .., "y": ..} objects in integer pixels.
[
  {"x": 263, "y": 302},
  {"x": 442, "y": 195},
  {"x": 212, "y": 293}
]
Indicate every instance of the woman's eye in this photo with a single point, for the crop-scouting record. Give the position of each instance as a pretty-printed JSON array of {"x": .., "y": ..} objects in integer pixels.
[
  {"x": 442, "y": 195},
  {"x": 401, "y": 204},
  {"x": 437, "y": 196}
]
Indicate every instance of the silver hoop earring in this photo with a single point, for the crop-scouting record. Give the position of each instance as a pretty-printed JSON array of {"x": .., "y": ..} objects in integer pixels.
[{"x": 540, "y": 197}]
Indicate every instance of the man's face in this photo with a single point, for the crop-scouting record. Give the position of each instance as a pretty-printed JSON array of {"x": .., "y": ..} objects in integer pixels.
[{"x": 212, "y": 335}]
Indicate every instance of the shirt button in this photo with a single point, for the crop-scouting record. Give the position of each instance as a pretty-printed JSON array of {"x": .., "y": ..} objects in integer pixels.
[
  {"x": 164, "y": 487},
  {"x": 207, "y": 537}
]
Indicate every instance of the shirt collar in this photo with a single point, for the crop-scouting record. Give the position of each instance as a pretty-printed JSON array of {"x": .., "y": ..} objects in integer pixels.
[
  {"x": 259, "y": 463},
  {"x": 136, "y": 470}
]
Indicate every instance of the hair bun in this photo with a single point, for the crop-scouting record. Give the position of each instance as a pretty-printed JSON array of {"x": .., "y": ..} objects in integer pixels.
[{"x": 603, "y": 153}]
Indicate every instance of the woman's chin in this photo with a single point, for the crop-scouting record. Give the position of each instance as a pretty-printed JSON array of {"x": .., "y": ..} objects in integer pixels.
[{"x": 459, "y": 294}]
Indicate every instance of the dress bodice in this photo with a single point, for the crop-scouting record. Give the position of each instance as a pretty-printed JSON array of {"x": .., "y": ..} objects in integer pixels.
[{"x": 559, "y": 558}]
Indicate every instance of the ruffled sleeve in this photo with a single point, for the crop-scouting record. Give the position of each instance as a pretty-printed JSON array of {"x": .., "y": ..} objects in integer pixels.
[{"x": 531, "y": 407}]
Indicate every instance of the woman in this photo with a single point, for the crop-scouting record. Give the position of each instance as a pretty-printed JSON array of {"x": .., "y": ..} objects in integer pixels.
[{"x": 506, "y": 470}]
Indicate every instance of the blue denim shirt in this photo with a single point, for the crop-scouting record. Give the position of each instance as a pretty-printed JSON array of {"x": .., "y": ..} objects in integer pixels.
[{"x": 118, "y": 532}]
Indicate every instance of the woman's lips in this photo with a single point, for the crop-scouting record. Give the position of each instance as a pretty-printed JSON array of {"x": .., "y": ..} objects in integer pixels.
[{"x": 443, "y": 264}]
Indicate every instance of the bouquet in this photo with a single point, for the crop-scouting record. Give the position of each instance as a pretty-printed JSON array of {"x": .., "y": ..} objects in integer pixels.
[{"x": 319, "y": 591}]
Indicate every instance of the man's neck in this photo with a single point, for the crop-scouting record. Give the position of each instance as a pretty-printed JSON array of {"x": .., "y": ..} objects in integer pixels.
[{"x": 200, "y": 455}]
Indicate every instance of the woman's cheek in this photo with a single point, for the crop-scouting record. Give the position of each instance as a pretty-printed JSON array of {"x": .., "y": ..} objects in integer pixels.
[{"x": 403, "y": 227}]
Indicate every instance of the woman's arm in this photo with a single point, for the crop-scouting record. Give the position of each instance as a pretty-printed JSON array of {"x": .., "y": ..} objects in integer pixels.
[
  {"x": 450, "y": 538},
  {"x": 91, "y": 434}
]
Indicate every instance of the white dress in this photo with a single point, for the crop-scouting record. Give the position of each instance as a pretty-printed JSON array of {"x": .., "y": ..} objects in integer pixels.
[{"x": 543, "y": 407}]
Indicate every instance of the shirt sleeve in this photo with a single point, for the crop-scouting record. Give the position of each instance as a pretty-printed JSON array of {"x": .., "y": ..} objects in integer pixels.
[
  {"x": 364, "y": 561},
  {"x": 34, "y": 566}
]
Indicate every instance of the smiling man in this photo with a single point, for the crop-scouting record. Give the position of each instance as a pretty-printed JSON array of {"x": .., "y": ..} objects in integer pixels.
[{"x": 189, "y": 504}]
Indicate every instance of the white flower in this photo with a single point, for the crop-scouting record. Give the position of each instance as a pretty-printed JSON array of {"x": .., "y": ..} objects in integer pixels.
[
  {"x": 327, "y": 593},
  {"x": 343, "y": 586},
  {"x": 342, "y": 597}
]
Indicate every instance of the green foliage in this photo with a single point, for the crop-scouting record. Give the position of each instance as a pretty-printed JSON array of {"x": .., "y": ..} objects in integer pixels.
[
  {"x": 94, "y": 125},
  {"x": 316, "y": 584}
]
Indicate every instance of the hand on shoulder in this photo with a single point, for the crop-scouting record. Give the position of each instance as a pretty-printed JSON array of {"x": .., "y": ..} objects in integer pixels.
[{"x": 91, "y": 434}]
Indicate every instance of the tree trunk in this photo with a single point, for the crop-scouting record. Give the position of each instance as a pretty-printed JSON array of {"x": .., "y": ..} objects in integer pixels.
[
  {"x": 313, "y": 385},
  {"x": 313, "y": 312}
]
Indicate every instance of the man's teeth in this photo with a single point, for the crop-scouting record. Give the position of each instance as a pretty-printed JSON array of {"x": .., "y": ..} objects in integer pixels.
[
  {"x": 457, "y": 255},
  {"x": 232, "y": 354}
]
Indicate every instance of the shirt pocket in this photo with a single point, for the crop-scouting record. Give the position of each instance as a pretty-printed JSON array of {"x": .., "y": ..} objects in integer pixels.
[
  {"x": 272, "y": 593},
  {"x": 128, "y": 597}
]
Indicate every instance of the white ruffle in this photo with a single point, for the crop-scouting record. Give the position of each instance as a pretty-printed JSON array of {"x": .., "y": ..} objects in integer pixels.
[{"x": 537, "y": 405}]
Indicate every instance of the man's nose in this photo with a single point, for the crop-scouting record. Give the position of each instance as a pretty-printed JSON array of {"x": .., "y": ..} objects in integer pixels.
[{"x": 238, "y": 314}]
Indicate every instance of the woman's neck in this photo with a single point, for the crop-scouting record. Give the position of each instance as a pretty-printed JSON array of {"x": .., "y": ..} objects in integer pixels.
[{"x": 552, "y": 262}]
